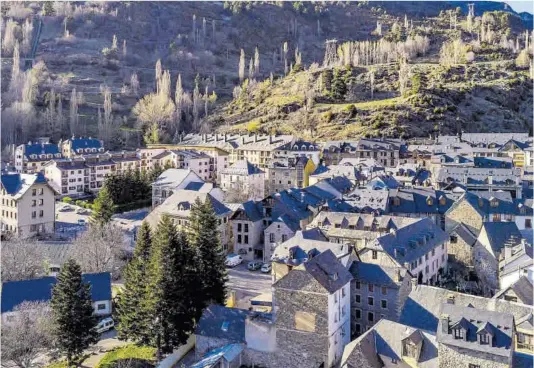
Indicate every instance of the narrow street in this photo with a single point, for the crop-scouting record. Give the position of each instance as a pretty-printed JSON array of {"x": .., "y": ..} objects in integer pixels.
[{"x": 247, "y": 284}]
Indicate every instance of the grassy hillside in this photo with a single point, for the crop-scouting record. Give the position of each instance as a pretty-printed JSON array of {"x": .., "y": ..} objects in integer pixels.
[{"x": 492, "y": 93}]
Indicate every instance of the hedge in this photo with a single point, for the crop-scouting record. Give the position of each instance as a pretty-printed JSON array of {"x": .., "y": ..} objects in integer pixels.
[
  {"x": 133, "y": 205},
  {"x": 143, "y": 356}
]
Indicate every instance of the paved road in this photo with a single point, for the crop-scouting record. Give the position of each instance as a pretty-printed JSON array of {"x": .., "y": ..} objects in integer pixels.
[{"x": 247, "y": 284}]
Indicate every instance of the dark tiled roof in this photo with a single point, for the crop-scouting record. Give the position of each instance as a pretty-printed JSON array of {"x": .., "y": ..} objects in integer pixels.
[
  {"x": 501, "y": 233},
  {"x": 194, "y": 185},
  {"x": 242, "y": 167},
  {"x": 221, "y": 322},
  {"x": 36, "y": 290},
  {"x": 40, "y": 148},
  {"x": 465, "y": 234},
  {"x": 19, "y": 183},
  {"x": 522, "y": 288},
  {"x": 376, "y": 274},
  {"x": 474, "y": 321},
  {"x": 328, "y": 271},
  {"x": 85, "y": 143},
  {"x": 252, "y": 209}
]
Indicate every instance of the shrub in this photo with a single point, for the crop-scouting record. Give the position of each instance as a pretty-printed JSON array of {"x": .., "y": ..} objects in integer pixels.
[
  {"x": 67, "y": 199},
  {"x": 350, "y": 110},
  {"x": 328, "y": 116},
  {"x": 141, "y": 356}
]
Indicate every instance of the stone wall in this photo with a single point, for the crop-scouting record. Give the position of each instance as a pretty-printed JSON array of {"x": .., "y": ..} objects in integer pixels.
[
  {"x": 463, "y": 212},
  {"x": 205, "y": 344},
  {"x": 453, "y": 357},
  {"x": 462, "y": 252}
]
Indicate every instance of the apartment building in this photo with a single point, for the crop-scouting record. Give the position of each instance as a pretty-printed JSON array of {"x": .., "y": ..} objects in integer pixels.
[
  {"x": 31, "y": 157},
  {"x": 28, "y": 205},
  {"x": 76, "y": 147},
  {"x": 245, "y": 178}
]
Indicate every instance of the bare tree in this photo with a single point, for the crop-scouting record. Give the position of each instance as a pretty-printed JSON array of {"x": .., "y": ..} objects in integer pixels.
[
  {"x": 404, "y": 77},
  {"x": 15, "y": 68},
  {"x": 73, "y": 112},
  {"x": 28, "y": 336},
  {"x": 100, "y": 249},
  {"x": 239, "y": 193},
  {"x": 27, "y": 31},
  {"x": 155, "y": 109},
  {"x": 9, "y": 36},
  {"x": 256, "y": 62},
  {"x": 194, "y": 31},
  {"x": 159, "y": 71},
  {"x": 372, "y": 81},
  {"x": 22, "y": 259},
  {"x": 124, "y": 50},
  {"x": 134, "y": 84},
  {"x": 242, "y": 66},
  {"x": 196, "y": 107},
  {"x": 164, "y": 84},
  {"x": 60, "y": 116},
  {"x": 251, "y": 70}
]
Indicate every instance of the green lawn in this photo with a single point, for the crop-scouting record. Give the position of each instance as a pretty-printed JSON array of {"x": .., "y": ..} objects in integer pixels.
[{"x": 143, "y": 353}]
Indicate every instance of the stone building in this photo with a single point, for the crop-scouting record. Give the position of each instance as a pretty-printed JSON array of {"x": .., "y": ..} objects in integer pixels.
[
  {"x": 515, "y": 263},
  {"x": 377, "y": 292},
  {"x": 461, "y": 243},
  {"x": 245, "y": 179},
  {"x": 520, "y": 291},
  {"x": 286, "y": 173},
  {"x": 474, "y": 338},
  {"x": 171, "y": 180},
  {"x": 247, "y": 230},
  {"x": 312, "y": 312}
]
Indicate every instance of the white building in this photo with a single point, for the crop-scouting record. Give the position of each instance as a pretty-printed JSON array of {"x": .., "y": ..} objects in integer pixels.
[
  {"x": 76, "y": 147},
  {"x": 247, "y": 231},
  {"x": 515, "y": 262},
  {"x": 28, "y": 205},
  {"x": 171, "y": 180},
  {"x": 30, "y": 157},
  {"x": 244, "y": 178}
]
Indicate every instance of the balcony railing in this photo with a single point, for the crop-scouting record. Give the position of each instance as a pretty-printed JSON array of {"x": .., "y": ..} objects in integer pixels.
[{"x": 525, "y": 346}]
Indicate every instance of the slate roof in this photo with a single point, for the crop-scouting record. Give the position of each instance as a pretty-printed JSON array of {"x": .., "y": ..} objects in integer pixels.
[
  {"x": 222, "y": 322},
  {"x": 77, "y": 143},
  {"x": 175, "y": 177},
  {"x": 522, "y": 256},
  {"x": 416, "y": 200},
  {"x": 227, "y": 352},
  {"x": 371, "y": 273},
  {"x": 480, "y": 201},
  {"x": 194, "y": 185},
  {"x": 17, "y": 184},
  {"x": 522, "y": 288},
  {"x": 477, "y": 175},
  {"x": 40, "y": 290},
  {"x": 347, "y": 222},
  {"x": 229, "y": 142},
  {"x": 348, "y": 171},
  {"x": 252, "y": 209},
  {"x": 385, "y": 338},
  {"x": 423, "y": 306},
  {"x": 368, "y": 200},
  {"x": 474, "y": 321},
  {"x": 501, "y": 233},
  {"x": 411, "y": 242},
  {"x": 40, "y": 149},
  {"x": 383, "y": 182},
  {"x": 497, "y": 138},
  {"x": 464, "y": 233}
]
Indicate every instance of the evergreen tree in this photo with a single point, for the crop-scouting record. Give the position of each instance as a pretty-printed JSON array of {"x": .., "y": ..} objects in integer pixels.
[
  {"x": 172, "y": 287},
  {"x": 204, "y": 236},
  {"x": 339, "y": 87},
  {"x": 132, "y": 316},
  {"x": 103, "y": 207},
  {"x": 72, "y": 310}
]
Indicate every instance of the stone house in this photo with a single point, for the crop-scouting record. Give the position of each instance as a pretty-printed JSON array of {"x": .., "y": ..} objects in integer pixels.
[
  {"x": 461, "y": 243},
  {"x": 493, "y": 239},
  {"x": 391, "y": 344},
  {"x": 520, "y": 291},
  {"x": 421, "y": 248},
  {"x": 377, "y": 292},
  {"x": 286, "y": 173},
  {"x": 247, "y": 230},
  {"x": 348, "y": 171},
  {"x": 28, "y": 205},
  {"x": 475, "y": 208},
  {"x": 473, "y": 337},
  {"x": 312, "y": 312}
]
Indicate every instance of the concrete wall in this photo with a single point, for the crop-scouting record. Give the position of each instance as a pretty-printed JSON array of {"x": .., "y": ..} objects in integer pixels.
[
  {"x": 205, "y": 344},
  {"x": 260, "y": 335}
]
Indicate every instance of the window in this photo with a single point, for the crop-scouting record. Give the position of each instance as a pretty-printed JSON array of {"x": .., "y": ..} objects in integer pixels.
[
  {"x": 34, "y": 203},
  {"x": 284, "y": 237},
  {"x": 41, "y": 191},
  {"x": 358, "y": 314},
  {"x": 375, "y": 254},
  {"x": 370, "y": 300},
  {"x": 41, "y": 213},
  {"x": 335, "y": 298},
  {"x": 473, "y": 365},
  {"x": 358, "y": 298},
  {"x": 246, "y": 239},
  {"x": 239, "y": 239},
  {"x": 343, "y": 292},
  {"x": 370, "y": 316},
  {"x": 371, "y": 288},
  {"x": 34, "y": 192},
  {"x": 101, "y": 306},
  {"x": 426, "y": 257},
  {"x": 238, "y": 227},
  {"x": 528, "y": 223},
  {"x": 458, "y": 333},
  {"x": 384, "y": 304},
  {"x": 358, "y": 285},
  {"x": 246, "y": 228},
  {"x": 484, "y": 339},
  {"x": 384, "y": 290},
  {"x": 41, "y": 202},
  {"x": 271, "y": 238},
  {"x": 34, "y": 214}
]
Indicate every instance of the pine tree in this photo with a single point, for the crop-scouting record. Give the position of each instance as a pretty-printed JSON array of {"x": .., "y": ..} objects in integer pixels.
[
  {"x": 103, "y": 208},
  {"x": 72, "y": 310},
  {"x": 172, "y": 287},
  {"x": 204, "y": 236},
  {"x": 133, "y": 319}
]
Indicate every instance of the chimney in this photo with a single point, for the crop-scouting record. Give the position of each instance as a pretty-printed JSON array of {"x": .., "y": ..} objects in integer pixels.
[
  {"x": 270, "y": 139},
  {"x": 413, "y": 281},
  {"x": 216, "y": 137},
  {"x": 255, "y": 137},
  {"x": 226, "y": 137},
  {"x": 450, "y": 299},
  {"x": 243, "y": 140},
  {"x": 398, "y": 274},
  {"x": 444, "y": 323}
]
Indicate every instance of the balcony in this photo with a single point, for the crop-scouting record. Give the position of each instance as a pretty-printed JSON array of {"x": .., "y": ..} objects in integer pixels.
[{"x": 525, "y": 346}]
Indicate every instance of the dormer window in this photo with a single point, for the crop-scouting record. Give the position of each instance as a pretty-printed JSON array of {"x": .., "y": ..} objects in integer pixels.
[
  {"x": 412, "y": 345},
  {"x": 494, "y": 202},
  {"x": 100, "y": 150},
  {"x": 458, "y": 333},
  {"x": 480, "y": 202},
  {"x": 484, "y": 339},
  {"x": 79, "y": 150},
  {"x": 396, "y": 201},
  {"x": 429, "y": 201},
  {"x": 33, "y": 156},
  {"x": 42, "y": 156},
  {"x": 93, "y": 150},
  {"x": 442, "y": 201}
]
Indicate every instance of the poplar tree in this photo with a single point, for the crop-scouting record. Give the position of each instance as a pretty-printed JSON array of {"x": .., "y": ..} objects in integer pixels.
[
  {"x": 242, "y": 66},
  {"x": 72, "y": 310},
  {"x": 133, "y": 317}
]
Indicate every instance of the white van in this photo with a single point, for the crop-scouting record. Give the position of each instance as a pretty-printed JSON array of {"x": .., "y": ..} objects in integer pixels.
[
  {"x": 233, "y": 260},
  {"x": 105, "y": 325}
]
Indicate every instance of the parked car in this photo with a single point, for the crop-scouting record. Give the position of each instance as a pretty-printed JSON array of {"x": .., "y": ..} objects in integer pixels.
[
  {"x": 233, "y": 260},
  {"x": 81, "y": 211},
  {"x": 105, "y": 325},
  {"x": 266, "y": 268},
  {"x": 82, "y": 222},
  {"x": 65, "y": 209},
  {"x": 254, "y": 265}
]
